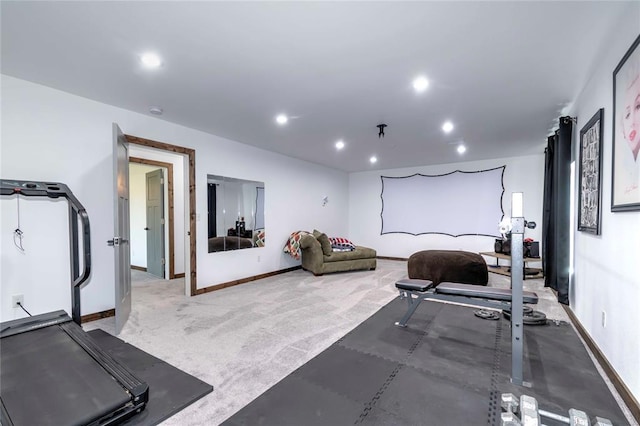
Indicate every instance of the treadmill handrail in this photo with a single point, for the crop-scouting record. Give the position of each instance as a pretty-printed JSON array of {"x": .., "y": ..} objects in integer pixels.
[
  {"x": 86, "y": 242},
  {"x": 57, "y": 190}
]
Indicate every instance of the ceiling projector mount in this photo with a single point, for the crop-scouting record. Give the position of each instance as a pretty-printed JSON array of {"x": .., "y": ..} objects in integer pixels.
[{"x": 381, "y": 130}]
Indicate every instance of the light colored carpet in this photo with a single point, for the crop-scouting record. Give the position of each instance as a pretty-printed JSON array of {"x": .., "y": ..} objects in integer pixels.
[{"x": 244, "y": 339}]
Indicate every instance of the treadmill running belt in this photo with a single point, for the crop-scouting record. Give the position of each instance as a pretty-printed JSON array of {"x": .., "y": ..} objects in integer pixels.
[{"x": 47, "y": 379}]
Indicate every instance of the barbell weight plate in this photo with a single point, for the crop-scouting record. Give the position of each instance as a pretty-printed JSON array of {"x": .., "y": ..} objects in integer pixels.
[{"x": 486, "y": 314}]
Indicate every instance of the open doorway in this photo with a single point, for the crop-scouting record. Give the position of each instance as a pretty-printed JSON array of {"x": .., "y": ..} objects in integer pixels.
[
  {"x": 179, "y": 208},
  {"x": 153, "y": 228}
]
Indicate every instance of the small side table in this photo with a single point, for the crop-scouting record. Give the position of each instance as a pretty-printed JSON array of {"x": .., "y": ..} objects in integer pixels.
[{"x": 506, "y": 269}]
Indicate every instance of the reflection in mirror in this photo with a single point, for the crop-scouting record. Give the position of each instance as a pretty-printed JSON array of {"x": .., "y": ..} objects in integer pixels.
[{"x": 235, "y": 213}]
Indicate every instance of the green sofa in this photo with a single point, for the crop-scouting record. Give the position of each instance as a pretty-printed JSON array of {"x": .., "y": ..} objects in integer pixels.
[{"x": 319, "y": 258}]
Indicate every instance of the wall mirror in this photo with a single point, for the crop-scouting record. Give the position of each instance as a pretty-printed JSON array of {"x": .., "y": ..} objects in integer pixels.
[{"x": 235, "y": 213}]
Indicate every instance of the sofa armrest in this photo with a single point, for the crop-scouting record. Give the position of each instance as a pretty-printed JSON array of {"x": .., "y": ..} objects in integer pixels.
[{"x": 312, "y": 256}]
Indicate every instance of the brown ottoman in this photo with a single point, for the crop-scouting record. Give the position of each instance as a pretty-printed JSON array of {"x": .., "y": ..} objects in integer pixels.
[{"x": 448, "y": 266}]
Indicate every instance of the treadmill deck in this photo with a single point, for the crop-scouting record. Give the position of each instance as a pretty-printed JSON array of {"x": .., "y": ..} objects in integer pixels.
[{"x": 46, "y": 378}]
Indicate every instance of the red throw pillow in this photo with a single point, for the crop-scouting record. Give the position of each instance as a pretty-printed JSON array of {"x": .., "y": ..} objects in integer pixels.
[{"x": 341, "y": 243}]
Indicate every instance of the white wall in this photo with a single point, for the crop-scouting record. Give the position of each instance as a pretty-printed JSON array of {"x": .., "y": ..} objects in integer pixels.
[
  {"x": 54, "y": 136},
  {"x": 522, "y": 174},
  {"x": 606, "y": 271},
  {"x": 293, "y": 201},
  {"x": 41, "y": 274}
]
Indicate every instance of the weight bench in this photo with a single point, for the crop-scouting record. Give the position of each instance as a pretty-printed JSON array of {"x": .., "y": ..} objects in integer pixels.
[{"x": 415, "y": 291}]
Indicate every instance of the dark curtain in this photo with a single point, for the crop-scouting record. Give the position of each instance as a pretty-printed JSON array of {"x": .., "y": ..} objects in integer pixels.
[
  {"x": 556, "y": 210},
  {"x": 211, "y": 205}
]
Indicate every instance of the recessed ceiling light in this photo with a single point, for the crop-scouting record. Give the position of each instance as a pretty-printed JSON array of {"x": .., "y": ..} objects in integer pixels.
[
  {"x": 447, "y": 127},
  {"x": 373, "y": 160},
  {"x": 462, "y": 149},
  {"x": 339, "y": 145},
  {"x": 155, "y": 110},
  {"x": 282, "y": 119},
  {"x": 151, "y": 60},
  {"x": 420, "y": 84}
]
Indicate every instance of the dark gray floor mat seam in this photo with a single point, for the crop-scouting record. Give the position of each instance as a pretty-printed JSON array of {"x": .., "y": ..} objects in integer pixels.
[
  {"x": 422, "y": 333},
  {"x": 302, "y": 377},
  {"x": 433, "y": 373},
  {"x": 371, "y": 404}
]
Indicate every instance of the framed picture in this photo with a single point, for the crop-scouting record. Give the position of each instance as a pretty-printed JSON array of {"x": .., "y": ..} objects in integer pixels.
[
  {"x": 625, "y": 179},
  {"x": 590, "y": 176}
]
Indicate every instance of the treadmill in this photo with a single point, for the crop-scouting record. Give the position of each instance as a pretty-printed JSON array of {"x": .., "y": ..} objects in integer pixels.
[{"x": 51, "y": 371}]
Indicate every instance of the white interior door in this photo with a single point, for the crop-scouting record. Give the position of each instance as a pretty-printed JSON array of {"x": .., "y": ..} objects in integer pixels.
[
  {"x": 155, "y": 222},
  {"x": 121, "y": 228}
]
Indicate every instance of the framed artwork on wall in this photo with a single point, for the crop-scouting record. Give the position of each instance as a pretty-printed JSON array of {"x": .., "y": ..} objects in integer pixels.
[
  {"x": 625, "y": 179},
  {"x": 590, "y": 175}
]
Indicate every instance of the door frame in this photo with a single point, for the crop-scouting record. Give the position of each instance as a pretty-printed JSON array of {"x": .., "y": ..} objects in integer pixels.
[
  {"x": 191, "y": 155},
  {"x": 169, "y": 167}
]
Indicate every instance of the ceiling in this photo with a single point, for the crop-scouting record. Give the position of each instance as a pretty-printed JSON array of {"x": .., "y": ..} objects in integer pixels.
[{"x": 502, "y": 72}]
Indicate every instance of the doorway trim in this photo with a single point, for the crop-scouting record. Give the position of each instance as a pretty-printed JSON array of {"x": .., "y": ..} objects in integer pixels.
[
  {"x": 191, "y": 154},
  {"x": 169, "y": 168}
]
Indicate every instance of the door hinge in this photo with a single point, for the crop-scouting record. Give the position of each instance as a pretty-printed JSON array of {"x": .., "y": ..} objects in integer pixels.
[
  {"x": 162, "y": 221},
  {"x": 162, "y": 181},
  {"x": 162, "y": 260}
]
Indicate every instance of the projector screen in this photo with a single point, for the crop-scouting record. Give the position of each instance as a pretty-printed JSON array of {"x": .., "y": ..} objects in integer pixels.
[{"x": 456, "y": 203}]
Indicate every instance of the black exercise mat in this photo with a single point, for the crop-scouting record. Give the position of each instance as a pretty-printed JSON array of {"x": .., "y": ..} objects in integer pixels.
[
  {"x": 447, "y": 367},
  {"x": 561, "y": 373},
  {"x": 170, "y": 389}
]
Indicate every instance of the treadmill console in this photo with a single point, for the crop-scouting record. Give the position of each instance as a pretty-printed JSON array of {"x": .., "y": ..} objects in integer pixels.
[{"x": 30, "y": 188}]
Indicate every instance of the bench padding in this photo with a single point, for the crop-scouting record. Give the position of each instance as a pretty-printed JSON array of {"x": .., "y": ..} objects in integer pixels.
[
  {"x": 414, "y": 285},
  {"x": 492, "y": 293}
]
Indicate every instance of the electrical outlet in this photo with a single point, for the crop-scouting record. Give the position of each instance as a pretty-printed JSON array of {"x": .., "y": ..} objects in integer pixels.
[
  {"x": 604, "y": 319},
  {"x": 258, "y": 259},
  {"x": 18, "y": 298}
]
